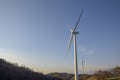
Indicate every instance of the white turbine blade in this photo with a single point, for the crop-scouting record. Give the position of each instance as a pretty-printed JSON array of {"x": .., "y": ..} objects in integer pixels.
[
  {"x": 78, "y": 21},
  {"x": 70, "y": 42},
  {"x": 69, "y": 27}
]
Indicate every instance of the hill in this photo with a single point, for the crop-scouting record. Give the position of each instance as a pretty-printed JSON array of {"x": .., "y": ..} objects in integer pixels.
[
  {"x": 63, "y": 76},
  {"x": 10, "y": 71},
  {"x": 99, "y": 75},
  {"x": 67, "y": 76}
]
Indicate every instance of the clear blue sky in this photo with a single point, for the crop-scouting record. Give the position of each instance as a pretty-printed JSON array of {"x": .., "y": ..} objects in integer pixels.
[{"x": 34, "y": 33}]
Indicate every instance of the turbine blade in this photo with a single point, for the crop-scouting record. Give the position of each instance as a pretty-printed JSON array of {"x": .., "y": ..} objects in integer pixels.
[
  {"x": 70, "y": 42},
  {"x": 69, "y": 27},
  {"x": 78, "y": 21}
]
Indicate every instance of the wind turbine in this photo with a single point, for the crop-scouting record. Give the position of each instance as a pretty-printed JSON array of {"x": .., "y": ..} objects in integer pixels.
[
  {"x": 83, "y": 66},
  {"x": 73, "y": 37}
]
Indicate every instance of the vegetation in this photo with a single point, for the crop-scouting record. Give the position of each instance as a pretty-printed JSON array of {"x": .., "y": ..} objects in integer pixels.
[
  {"x": 63, "y": 76},
  {"x": 99, "y": 75},
  {"x": 10, "y": 71}
]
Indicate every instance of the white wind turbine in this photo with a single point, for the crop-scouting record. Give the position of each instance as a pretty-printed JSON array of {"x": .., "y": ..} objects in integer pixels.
[{"x": 73, "y": 37}]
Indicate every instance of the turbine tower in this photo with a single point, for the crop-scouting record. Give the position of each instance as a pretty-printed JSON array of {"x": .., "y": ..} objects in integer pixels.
[{"x": 73, "y": 37}]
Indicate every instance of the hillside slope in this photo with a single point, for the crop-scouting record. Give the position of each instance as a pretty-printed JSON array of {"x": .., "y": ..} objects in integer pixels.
[{"x": 10, "y": 71}]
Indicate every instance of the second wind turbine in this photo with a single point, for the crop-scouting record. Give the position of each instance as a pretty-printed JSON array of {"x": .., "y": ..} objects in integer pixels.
[{"x": 73, "y": 37}]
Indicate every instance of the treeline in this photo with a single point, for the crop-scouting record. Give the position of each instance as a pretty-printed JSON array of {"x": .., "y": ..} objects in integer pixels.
[
  {"x": 99, "y": 75},
  {"x": 10, "y": 71}
]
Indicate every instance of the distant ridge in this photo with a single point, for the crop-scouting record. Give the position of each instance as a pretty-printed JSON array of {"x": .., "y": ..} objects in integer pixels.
[
  {"x": 64, "y": 76},
  {"x": 98, "y": 75}
]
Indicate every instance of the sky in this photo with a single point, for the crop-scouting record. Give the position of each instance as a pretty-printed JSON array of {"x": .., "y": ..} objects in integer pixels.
[{"x": 34, "y": 33}]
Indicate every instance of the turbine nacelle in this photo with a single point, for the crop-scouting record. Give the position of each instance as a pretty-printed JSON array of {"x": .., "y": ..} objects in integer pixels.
[{"x": 75, "y": 32}]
